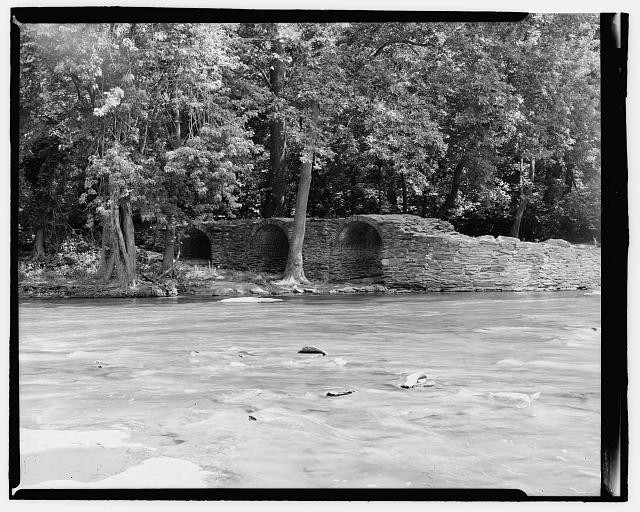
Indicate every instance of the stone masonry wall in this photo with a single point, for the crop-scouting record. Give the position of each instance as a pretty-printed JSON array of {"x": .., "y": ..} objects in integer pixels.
[
  {"x": 414, "y": 253},
  {"x": 455, "y": 262}
]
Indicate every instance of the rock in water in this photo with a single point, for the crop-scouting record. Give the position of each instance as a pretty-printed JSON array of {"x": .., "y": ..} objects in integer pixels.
[
  {"x": 417, "y": 379},
  {"x": 510, "y": 362},
  {"x": 311, "y": 350},
  {"x": 521, "y": 400},
  {"x": 251, "y": 299},
  {"x": 341, "y": 392}
]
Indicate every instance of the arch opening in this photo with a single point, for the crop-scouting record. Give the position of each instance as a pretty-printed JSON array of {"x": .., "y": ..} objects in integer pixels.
[
  {"x": 356, "y": 253},
  {"x": 269, "y": 249},
  {"x": 196, "y": 246}
]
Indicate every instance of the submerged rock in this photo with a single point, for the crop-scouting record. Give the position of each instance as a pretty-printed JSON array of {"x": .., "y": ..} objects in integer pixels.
[
  {"x": 510, "y": 363},
  {"x": 311, "y": 350},
  {"x": 520, "y": 400},
  {"x": 417, "y": 379},
  {"x": 341, "y": 392}
]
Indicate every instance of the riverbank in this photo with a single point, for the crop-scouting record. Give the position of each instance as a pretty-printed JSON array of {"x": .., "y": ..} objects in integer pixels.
[
  {"x": 75, "y": 277},
  {"x": 52, "y": 279}
]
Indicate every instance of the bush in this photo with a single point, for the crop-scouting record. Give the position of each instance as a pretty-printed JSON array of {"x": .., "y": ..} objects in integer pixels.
[{"x": 77, "y": 259}]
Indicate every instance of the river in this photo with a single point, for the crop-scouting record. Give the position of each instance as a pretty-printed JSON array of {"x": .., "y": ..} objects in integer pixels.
[{"x": 159, "y": 392}]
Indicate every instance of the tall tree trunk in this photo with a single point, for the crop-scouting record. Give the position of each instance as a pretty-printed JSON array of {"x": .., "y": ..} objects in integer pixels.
[
  {"x": 353, "y": 197},
  {"x": 569, "y": 181},
  {"x": 423, "y": 206},
  {"x": 168, "y": 259},
  {"x": 128, "y": 231},
  {"x": 177, "y": 125},
  {"x": 119, "y": 248},
  {"x": 107, "y": 261},
  {"x": 392, "y": 195},
  {"x": 294, "y": 271},
  {"x": 277, "y": 186},
  {"x": 379, "y": 186},
  {"x": 39, "y": 250},
  {"x": 526, "y": 189},
  {"x": 404, "y": 194},
  {"x": 38, "y": 243},
  {"x": 450, "y": 200},
  {"x": 169, "y": 246},
  {"x": 517, "y": 219}
]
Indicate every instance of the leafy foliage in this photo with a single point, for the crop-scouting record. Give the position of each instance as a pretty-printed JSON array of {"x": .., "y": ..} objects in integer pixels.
[{"x": 176, "y": 122}]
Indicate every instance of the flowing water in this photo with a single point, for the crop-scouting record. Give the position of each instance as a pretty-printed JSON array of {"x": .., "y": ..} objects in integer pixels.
[{"x": 205, "y": 393}]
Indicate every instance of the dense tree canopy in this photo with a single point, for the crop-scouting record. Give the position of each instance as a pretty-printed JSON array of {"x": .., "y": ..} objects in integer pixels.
[{"x": 127, "y": 130}]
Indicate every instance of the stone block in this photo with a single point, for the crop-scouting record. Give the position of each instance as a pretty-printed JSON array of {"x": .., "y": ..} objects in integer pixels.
[
  {"x": 507, "y": 239},
  {"x": 557, "y": 242},
  {"x": 409, "y": 251}
]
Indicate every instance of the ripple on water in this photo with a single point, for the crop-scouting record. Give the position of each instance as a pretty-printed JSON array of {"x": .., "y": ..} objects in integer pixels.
[{"x": 171, "y": 373}]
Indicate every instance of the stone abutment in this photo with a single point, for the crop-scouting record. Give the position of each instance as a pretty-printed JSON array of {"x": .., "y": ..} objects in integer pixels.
[{"x": 405, "y": 251}]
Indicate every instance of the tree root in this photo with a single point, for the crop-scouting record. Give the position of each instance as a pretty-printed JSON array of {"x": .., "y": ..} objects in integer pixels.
[{"x": 290, "y": 282}]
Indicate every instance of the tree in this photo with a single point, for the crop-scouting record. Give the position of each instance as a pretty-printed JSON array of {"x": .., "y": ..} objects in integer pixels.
[
  {"x": 294, "y": 270},
  {"x": 117, "y": 178},
  {"x": 139, "y": 93},
  {"x": 54, "y": 141},
  {"x": 492, "y": 126},
  {"x": 202, "y": 146},
  {"x": 315, "y": 74},
  {"x": 266, "y": 57}
]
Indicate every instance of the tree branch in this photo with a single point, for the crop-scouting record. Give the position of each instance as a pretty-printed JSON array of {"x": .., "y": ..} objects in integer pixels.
[
  {"x": 76, "y": 83},
  {"x": 263, "y": 75},
  {"x": 399, "y": 41}
]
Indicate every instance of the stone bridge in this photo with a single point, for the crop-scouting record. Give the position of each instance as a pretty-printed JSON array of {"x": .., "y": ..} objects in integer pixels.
[{"x": 403, "y": 251}]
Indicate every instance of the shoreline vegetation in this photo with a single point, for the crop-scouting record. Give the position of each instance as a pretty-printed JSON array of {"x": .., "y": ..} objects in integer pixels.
[
  {"x": 131, "y": 134},
  {"x": 74, "y": 275},
  {"x": 190, "y": 280}
]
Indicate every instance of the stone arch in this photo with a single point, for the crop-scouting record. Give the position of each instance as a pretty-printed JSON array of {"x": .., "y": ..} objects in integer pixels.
[
  {"x": 268, "y": 246},
  {"x": 356, "y": 249},
  {"x": 196, "y": 244}
]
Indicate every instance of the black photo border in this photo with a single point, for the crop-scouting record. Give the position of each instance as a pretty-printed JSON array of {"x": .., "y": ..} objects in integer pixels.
[{"x": 615, "y": 240}]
